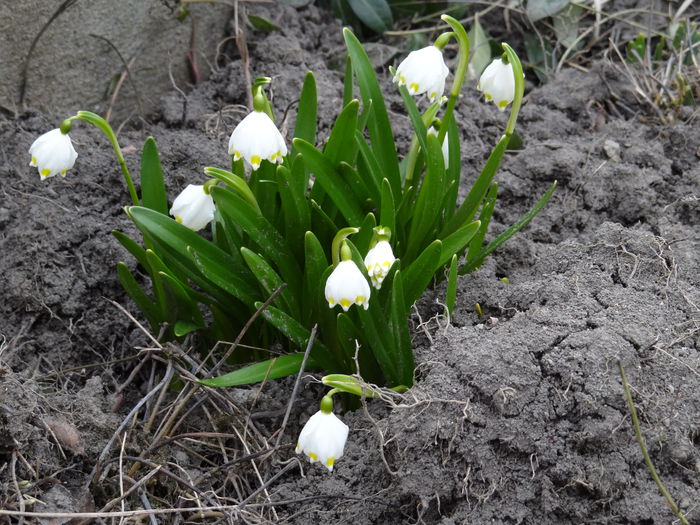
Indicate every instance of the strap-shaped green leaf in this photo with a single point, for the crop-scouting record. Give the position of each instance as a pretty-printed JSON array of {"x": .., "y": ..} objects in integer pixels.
[
  {"x": 387, "y": 213},
  {"x": 269, "y": 281},
  {"x": 275, "y": 368},
  {"x": 378, "y": 124},
  {"x": 271, "y": 243},
  {"x": 454, "y": 169},
  {"x": 451, "y": 293},
  {"x": 375, "y": 14},
  {"x": 415, "y": 116},
  {"x": 485, "y": 219},
  {"x": 368, "y": 167},
  {"x": 471, "y": 204},
  {"x": 398, "y": 325},
  {"x": 330, "y": 180},
  {"x": 145, "y": 304},
  {"x": 305, "y": 127},
  {"x": 458, "y": 241},
  {"x": 341, "y": 143},
  {"x": 356, "y": 183},
  {"x": 152, "y": 186},
  {"x": 315, "y": 264},
  {"x": 295, "y": 207},
  {"x": 236, "y": 280},
  {"x": 426, "y": 213},
  {"x": 347, "y": 82},
  {"x": 348, "y": 335},
  {"x": 235, "y": 182},
  {"x": 183, "y": 308},
  {"x": 420, "y": 272},
  {"x": 374, "y": 322},
  {"x": 132, "y": 247},
  {"x": 298, "y": 335},
  {"x": 173, "y": 240},
  {"x": 516, "y": 227}
]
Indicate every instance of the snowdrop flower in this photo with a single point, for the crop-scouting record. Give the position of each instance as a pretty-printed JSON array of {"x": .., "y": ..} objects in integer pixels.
[
  {"x": 53, "y": 153},
  {"x": 347, "y": 286},
  {"x": 497, "y": 82},
  {"x": 423, "y": 71},
  {"x": 323, "y": 438},
  {"x": 193, "y": 207},
  {"x": 378, "y": 262},
  {"x": 257, "y": 138}
]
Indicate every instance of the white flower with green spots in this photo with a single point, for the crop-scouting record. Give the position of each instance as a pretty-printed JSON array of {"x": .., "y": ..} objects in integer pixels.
[
  {"x": 347, "y": 286},
  {"x": 256, "y": 138},
  {"x": 323, "y": 438},
  {"x": 497, "y": 83},
  {"x": 53, "y": 154},
  {"x": 193, "y": 207},
  {"x": 423, "y": 71}
]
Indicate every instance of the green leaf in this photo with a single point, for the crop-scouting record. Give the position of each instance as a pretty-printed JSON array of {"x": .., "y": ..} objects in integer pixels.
[
  {"x": 375, "y": 14},
  {"x": 295, "y": 207},
  {"x": 426, "y": 213},
  {"x": 261, "y": 24},
  {"x": 398, "y": 325},
  {"x": 468, "y": 208},
  {"x": 275, "y": 368},
  {"x": 376, "y": 335},
  {"x": 271, "y": 243},
  {"x": 152, "y": 186},
  {"x": 305, "y": 127},
  {"x": 298, "y": 335},
  {"x": 485, "y": 219},
  {"x": 387, "y": 213},
  {"x": 458, "y": 241},
  {"x": 270, "y": 281},
  {"x": 368, "y": 167},
  {"x": 481, "y": 50},
  {"x": 454, "y": 169},
  {"x": 181, "y": 305},
  {"x": 330, "y": 180},
  {"x": 420, "y": 272},
  {"x": 347, "y": 82},
  {"x": 341, "y": 143},
  {"x": 315, "y": 264},
  {"x": 538, "y": 9},
  {"x": 232, "y": 279},
  {"x": 175, "y": 241},
  {"x": 379, "y": 125},
  {"x": 516, "y": 227},
  {"x": 133, "y": 248},
  {"x": 235, "y": 182},
  {"x": 144, "y": 303},
  {"x": 451, "y": 294}
]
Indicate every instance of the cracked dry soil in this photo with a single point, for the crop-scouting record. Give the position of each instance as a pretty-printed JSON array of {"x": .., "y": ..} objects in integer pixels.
[{"x": 517, "y": 415}]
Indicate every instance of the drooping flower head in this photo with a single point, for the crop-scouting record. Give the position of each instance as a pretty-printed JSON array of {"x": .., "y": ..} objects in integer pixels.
[
  {"x": 346, "y": 285},
  {"x": 53, "y": 153},
  {"x": 256, "y": 138},
  {"x": 497, "y": 83},
  {"x": 380, "y": 257},
  {"x": 423, "y": 71},
  {"x": 324, "y": 435},
  {"x": 193, "y": 208}
]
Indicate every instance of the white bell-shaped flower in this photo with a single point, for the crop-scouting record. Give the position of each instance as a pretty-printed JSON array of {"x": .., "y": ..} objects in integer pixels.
[
  {"x": 53, "y": 153},
  {"x": 378, "y": 262},
  {"x": 423, "y": 71},
  {"x": 497, "y": 83},
  {"x": 347, "y": 286},
  {"x": 193, "y": 207},
  {"x": 323, "y": 438},
  {"x": 256, "y": 138}
]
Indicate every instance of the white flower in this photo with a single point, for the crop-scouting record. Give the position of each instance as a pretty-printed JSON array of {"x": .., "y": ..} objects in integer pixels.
[
  {"x": 378, "y": 262},
  {"x": 347, "y": 286},
  {"x": 323, "y": 438},
  {"x": 497, "y": 82},
  {"x": 423, "y": 71},
  {"x": 257, "y": 138},
  {"x": 193, "y": 208},
  {"x": 53, "y": 153}
]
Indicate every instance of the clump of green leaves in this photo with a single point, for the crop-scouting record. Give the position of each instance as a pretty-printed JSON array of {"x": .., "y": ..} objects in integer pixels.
[{"x": 280, "y": 231}]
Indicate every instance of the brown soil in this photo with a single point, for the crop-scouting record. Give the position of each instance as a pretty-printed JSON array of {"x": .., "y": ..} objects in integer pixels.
[{"x": 517, "y": 415}]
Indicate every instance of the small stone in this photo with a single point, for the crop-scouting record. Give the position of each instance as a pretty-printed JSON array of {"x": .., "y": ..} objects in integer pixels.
[{"x": 612, "y": 150}]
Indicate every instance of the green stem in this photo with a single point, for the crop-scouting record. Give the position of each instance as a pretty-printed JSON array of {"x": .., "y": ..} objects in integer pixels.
[
  {"x": 412, "y": 156},
  {"x": 643, "y": 447},
  {"x": 103, "y": 125},
  {"x": 338, "y": 241},
  {"x": 519, "y": 87},
  {"x": 462, "y": 63}
]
